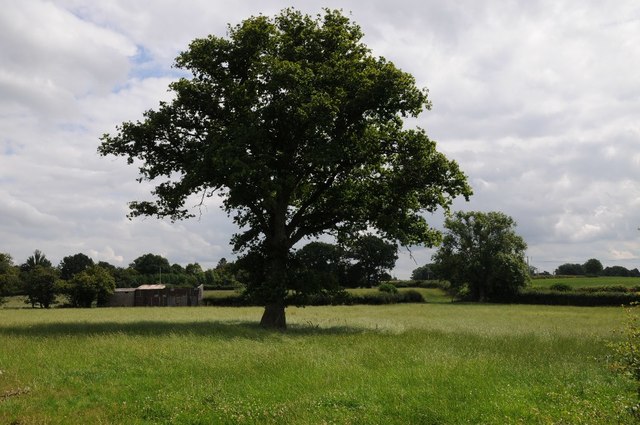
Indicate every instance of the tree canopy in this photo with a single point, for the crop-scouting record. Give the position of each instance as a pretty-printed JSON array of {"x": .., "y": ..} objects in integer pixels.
[
  {"x": 9, "y": 275},
  {"x": 483, "y": 251},
  {"x": 74, "y": 264},
  {"x": 94, "y": 283},
  {"x": 299, "y": 129},
  {"x": 593, "y": 267},
  {"x": 150, "y": 264},
  {"x": 37, "y": 259},
  {"x": 423, "y": 272},
  {"x": 40, "y": 285},
  {"x": 373, "y": 257}
]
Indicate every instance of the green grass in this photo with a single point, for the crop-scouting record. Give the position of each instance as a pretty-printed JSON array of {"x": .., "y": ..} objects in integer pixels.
[
  {"x": 583, "y": 281},
  {"x": 222, "y": 293},
  {"x": 421, "y": 363}
]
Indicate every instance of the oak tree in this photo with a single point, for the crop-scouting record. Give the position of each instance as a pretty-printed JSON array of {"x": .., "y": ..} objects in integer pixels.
[{"x": 298, "y": 128}]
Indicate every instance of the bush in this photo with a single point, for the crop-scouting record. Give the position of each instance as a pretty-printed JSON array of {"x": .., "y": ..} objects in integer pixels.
[
  {"x": 561, "y": 287},
  {"x": 626, "y": 353},
  {"x": 610, "y": 288},
  {"x": 412, "y": 297},
  {"x": 388, "y": 288}
]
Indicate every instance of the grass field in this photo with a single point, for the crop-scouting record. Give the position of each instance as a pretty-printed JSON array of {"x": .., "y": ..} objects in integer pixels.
[
  {"x": 402, "y": 364},
  {"x": 582, "y": 281}
]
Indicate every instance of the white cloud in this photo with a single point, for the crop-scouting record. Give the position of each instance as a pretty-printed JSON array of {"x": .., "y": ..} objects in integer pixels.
[{"x": 537, "y": 101}]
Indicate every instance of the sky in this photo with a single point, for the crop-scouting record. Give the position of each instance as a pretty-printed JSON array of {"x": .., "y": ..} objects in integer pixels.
[{"x": 538, "y": 101}]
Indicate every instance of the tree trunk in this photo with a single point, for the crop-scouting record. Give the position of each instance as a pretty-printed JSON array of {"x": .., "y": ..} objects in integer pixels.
[
  {"x": 277, "y": 243},
  {"x": 274, "y": 317}
]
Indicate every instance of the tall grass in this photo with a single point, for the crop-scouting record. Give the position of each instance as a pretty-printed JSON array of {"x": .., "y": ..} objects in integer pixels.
[{"x": 427, "y": 363}]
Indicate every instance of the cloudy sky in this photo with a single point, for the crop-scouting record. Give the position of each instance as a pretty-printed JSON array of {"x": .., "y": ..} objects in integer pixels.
[{"x": 539, "y": 102}]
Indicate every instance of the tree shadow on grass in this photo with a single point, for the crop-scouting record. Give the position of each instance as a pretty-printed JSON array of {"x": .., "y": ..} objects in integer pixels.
[{"x": 205, "y": 329}]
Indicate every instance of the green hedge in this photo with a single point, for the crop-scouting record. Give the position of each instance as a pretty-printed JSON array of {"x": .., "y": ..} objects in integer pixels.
[
  {"x": 610, "y": 288},
  {"x": 582, "y": 298},
  {"x": 440, "y": 284},
  {"x": 324, "y": 299},
  {"x": 219, "y": 287}
]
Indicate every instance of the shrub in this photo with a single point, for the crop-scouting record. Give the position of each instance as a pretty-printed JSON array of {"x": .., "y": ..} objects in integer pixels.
[
  {"x": 388, "y": 288},
  {"x": 610, "y": 288},
  {"x": 561, "y": 287},
  {"x": 626, "y": 353},
  {"x": 412, "y": 297}
]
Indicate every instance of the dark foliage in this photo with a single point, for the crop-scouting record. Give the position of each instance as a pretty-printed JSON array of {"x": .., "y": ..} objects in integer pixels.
[{"x": 323, "y": 299}]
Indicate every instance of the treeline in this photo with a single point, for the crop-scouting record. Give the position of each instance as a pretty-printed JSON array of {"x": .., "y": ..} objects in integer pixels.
[
  {"x": 315, "y": 269},
  {"x": 593, "y": 267},
  {"x": 83, "y": 282}
]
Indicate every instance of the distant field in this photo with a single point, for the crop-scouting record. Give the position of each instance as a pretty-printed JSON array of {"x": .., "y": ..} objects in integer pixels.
[
  {"x": 582, "y": 281},
  {"x": 397, "y": 364}
]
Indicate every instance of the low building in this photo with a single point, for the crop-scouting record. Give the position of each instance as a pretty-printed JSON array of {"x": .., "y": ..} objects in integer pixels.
[{"x": 156, "y": 296}]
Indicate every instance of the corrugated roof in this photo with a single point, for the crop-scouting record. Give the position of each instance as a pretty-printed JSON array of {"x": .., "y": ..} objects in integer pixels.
[{"x": 149, "y": 287}]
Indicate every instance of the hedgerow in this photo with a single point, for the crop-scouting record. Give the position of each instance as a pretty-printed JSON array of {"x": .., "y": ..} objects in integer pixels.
[
  {"x": 341, "y": 298},
  {"x": 575, "y": 298}
]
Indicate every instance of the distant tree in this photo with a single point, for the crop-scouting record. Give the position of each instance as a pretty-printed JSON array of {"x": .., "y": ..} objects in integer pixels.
[
  {"x": 40, "y": 285},
  {"x": 220, "y": 278},
  {"x": 483, "y": 251},
  {"x": 74, "y": 264},
  {"x": 193, "y": 269},
  {"x": 6, "y": 262},
  {"x": 107, "y": 266},
  {"x": 124, "y": 277},
  {"x": 225, "y": 272},
  {"x": 150, "y": 264},
  {"x": 371, "y": 258},
  {"x": 318, "y": 267},
  {"x": 569, "y": 269},
  {"x": 425, "y": 272},
  {"x": 93, "y": 284},
  {"x": 9, "y": 276},
  {"x": 593, "y": 267},
  {"x": 37, "y": 259},
  {"x": 299, "y": 129},
  {"x": 616, "y": 271},
  {"x": 176, "y": 269}
]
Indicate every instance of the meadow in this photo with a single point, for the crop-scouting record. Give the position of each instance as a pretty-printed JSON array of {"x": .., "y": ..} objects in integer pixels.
[{"x": 413, "y": 363}]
